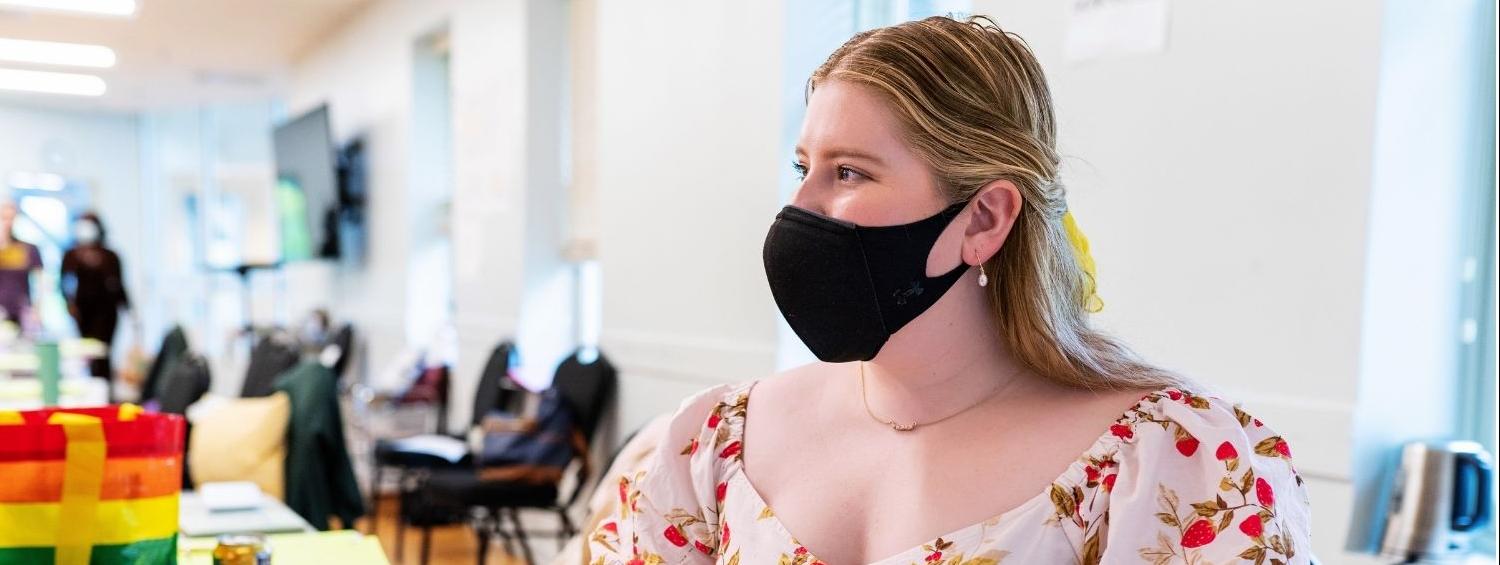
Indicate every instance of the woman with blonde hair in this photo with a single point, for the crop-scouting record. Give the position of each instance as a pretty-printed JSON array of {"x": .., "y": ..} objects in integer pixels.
[{"x": 965, "y": 411}]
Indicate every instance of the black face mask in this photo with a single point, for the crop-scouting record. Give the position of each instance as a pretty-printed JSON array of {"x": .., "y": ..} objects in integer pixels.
[{"x": 845, "y": 289}]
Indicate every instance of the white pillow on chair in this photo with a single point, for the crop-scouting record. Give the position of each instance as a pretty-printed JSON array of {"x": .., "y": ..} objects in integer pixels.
[{"x": 242, "y": 439}]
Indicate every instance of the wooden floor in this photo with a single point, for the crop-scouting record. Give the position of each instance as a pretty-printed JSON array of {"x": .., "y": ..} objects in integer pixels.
[{"x": 451, "y": 545}]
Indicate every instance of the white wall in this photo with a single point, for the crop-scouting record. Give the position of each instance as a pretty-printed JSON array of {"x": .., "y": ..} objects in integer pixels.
[
  {"x": 98, "y": 148},
  {"x": 363, "y": 71},
  {"x": 689, "y": 159},
  {"x": 1247, "y": 202},
  {"x": 204, "y": 196},
  {"x": 1224, "y": 185}
]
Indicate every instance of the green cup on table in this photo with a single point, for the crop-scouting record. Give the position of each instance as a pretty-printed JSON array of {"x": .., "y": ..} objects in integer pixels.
[{"x": 48, "y": 371}]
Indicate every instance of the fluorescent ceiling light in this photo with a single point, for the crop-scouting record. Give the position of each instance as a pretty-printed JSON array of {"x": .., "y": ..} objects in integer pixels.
[
  {"x": 50, "y": 82},
  {"x": 54, "y": 53},
  {"x": 51, "y": 182},
  {"x": 101, "y": 7}
]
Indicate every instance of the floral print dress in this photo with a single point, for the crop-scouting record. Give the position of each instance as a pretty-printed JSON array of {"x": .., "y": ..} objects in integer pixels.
[{"x": 1179, "y": 478}]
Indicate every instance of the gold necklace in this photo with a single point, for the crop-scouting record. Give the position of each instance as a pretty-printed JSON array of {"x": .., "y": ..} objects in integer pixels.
[{"x": 865, "y": 396}]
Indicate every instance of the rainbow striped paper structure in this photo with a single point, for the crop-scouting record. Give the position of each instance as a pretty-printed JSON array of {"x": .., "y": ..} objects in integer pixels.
[{"x": 91, "y": 485}]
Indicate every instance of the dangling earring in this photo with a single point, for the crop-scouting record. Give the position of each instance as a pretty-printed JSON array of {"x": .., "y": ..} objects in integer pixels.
[{"x": 983, "y": 278}]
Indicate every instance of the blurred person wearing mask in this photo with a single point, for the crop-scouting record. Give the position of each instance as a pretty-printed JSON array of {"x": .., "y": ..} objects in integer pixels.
[
  {"x": 18, "y": 260},
  {"x": 315, "y": 330},
  {"x": 94, "y": 287}
]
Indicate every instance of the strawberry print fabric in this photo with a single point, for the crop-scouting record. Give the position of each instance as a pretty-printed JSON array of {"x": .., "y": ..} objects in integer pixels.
[{"x": 1179, "y": 478}]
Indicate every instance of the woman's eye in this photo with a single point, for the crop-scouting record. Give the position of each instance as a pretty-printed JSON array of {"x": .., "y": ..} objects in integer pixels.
[
  {"x": 801, "y": 170},
  {"x": 847, "y": 174}
]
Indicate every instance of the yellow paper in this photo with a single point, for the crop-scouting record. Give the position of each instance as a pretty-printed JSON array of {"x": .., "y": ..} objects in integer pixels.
[{"x": 322, "y": 548}]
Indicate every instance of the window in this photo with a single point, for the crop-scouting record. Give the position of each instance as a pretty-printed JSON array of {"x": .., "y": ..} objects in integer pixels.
[
  {"x": 430, "y": 265},
  {"x": 1476, "y": 358},
  {"x": 43, "y": 218}
]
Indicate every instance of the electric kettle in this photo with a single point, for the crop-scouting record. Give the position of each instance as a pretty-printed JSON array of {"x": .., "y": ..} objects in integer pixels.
[{"x": 1440, "y": 496}]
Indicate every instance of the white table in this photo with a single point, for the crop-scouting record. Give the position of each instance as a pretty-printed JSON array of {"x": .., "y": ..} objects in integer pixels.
[
  {"x": 196, "y": 520},
  {"x": 75, "y": 392},
  {"x": 22, "y": 358}
]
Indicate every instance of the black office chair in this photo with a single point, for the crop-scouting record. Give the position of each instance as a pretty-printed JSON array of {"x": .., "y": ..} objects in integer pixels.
[
  {"x": 412, "y": 466},
  {"x": 185, "y": 382},
  {"x": 173, "y": 346},
  {"x": 274, "y": 354},
  {"x": 585, "y": 390}
]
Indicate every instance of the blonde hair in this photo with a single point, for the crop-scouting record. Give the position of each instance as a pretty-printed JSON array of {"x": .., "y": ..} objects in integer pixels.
[{"x": 974, "y": 104}]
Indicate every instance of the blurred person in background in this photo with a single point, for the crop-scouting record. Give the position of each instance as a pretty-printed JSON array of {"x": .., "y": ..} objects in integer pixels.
[
  {"x": 315, "y": 330},
  {"x": 930, "y": 261},
  {"x": 94, "y": 286},
  {"x": 18, "y": 261}
]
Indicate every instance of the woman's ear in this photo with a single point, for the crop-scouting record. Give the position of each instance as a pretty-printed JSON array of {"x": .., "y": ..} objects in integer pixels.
[{"x": 991, "y": 216}]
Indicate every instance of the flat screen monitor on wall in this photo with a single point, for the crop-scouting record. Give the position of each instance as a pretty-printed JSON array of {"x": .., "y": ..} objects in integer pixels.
[{"x": 307, "y": 198}]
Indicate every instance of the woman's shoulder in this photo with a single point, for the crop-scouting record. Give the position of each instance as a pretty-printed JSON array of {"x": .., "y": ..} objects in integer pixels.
[
  {"x": 792, "y": 393},
  {"x": 696, "y": 407},
  {"x": 1190, "y": 441},
  {"x": 1179, "y": 435},
  {"x": 1200, "y": 472},
  {"x": 713, "y": 418},
  {"x": 1191, "y": 420}
]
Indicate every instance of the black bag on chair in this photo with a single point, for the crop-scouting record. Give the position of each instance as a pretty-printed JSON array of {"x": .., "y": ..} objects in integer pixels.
[
  {"x": 525, "y": 469},
  {"x": 546, "y": 448}
]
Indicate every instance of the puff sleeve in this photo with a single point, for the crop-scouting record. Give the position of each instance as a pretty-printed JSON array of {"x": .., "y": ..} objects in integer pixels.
[
  {"x": 669, "y": 513},
  {"x": 1202, "y": 481}
]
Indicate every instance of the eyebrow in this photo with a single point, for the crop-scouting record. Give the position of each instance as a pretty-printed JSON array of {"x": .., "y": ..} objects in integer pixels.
[{"x": 848, "y": 153}]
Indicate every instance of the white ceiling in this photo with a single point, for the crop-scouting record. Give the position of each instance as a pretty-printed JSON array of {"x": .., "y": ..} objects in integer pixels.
[{"x": 183, "y": 52}]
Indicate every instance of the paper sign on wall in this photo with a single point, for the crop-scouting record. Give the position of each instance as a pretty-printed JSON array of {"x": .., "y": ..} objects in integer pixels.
[{"x": 1107, "y": 29}]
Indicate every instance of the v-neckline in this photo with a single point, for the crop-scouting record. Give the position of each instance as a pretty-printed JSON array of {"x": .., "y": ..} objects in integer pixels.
[
  {"x": 1100, "y": 445},
  {"x": 964, "y": 533}
]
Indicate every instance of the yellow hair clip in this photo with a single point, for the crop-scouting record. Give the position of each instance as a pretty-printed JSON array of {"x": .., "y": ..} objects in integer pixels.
[{"x": 1080, "y": 242}]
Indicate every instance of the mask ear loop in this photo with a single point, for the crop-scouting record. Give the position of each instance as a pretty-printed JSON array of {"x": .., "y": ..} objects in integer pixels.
[{"x": 1080, "y": 243}]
